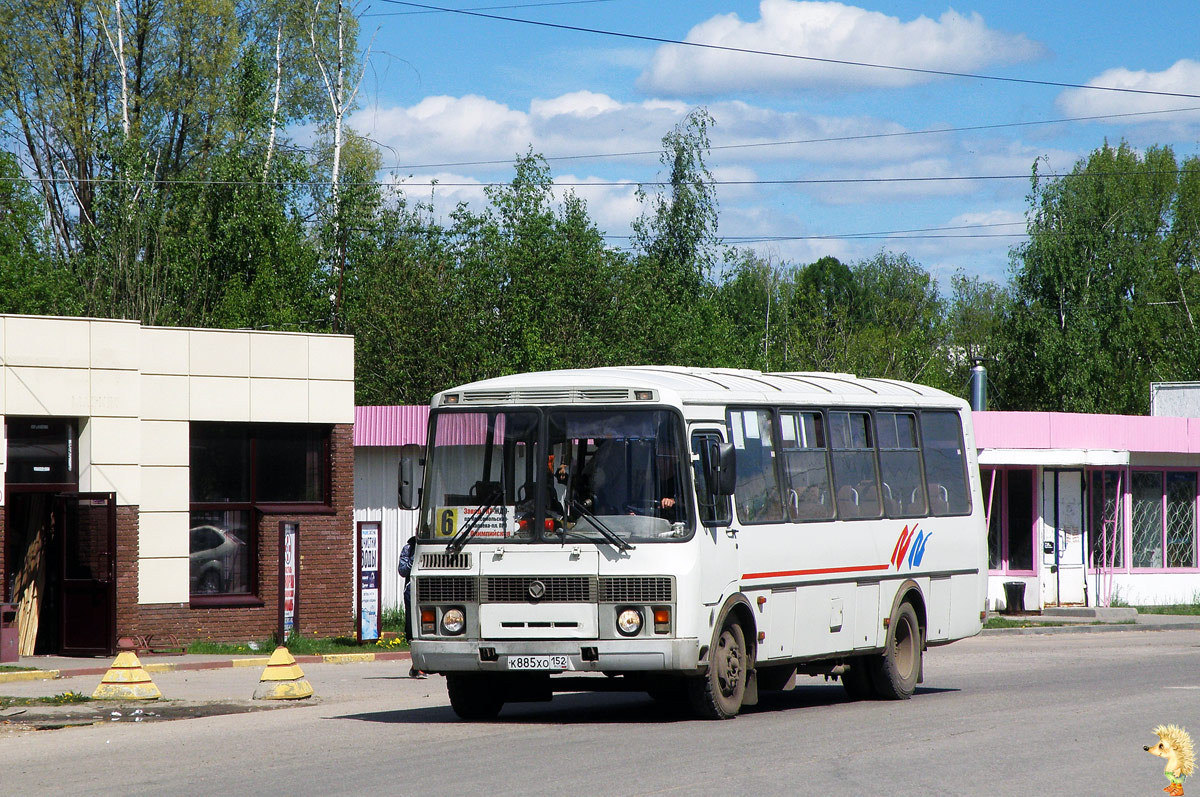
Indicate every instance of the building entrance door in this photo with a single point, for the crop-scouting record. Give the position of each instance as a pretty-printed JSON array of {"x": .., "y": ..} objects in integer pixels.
[
  {"x": 87, "y": 528},
  {"x": 1063, "y": 550}
]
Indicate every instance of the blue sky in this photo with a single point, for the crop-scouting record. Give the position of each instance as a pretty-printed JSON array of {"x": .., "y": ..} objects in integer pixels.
[{"x": 445, "y": 88}]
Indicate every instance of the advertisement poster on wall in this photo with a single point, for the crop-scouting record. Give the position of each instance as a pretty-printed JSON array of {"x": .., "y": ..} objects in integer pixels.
[
  {"x": 289, "y": 578},
  {"x": 368, "y": 580}
]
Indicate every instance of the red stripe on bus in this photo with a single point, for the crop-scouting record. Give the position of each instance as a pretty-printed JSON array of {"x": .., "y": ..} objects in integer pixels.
[{"x": 816, "y": 572}]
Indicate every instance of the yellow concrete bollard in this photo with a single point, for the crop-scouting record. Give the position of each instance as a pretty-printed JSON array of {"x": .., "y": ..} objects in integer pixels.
[
  {"x": 282, "y": 679},
  {"x": 126, "y": 680}
]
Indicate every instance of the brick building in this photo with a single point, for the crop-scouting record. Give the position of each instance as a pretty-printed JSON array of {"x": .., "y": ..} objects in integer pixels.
[{"x": 150, "y": 474}]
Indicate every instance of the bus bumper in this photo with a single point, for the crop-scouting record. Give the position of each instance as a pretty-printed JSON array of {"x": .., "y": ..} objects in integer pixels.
[{"x": 584, "y": 655}]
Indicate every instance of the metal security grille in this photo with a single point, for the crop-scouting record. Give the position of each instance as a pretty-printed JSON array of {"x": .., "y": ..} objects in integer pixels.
[
  {"x": 446, "y": 589},
  {"x": 1181, "y": 519},
  {"x": 555, "y": 589},
  {"x": 446, "y": 561},
  {"x": 637, "y": 589}
]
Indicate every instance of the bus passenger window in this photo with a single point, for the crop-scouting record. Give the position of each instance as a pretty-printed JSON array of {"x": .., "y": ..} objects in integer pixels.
[
  {"x": 805, "y": 466},
  {"x": 715, "y": 510},
  {"x": 900, "y": 464},
  {"x": 945, "y": 463},
  {"x": 854, "y": 475},
  {"x": 757, "y": 488}
]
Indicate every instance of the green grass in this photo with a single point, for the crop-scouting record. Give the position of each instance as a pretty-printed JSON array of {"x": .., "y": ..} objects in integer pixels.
[
  {"x": 1176, "y": 608},
  {"x": 1005, "y": 622},
  {"x": 61, "y": 699},
  {"x": 15, "y": 668},
  {"x": 296, "y": 645}
]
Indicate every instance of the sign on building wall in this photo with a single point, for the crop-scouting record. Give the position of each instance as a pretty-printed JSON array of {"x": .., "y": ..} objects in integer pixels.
[
  {"x": 289, "y": 578},
  {"x": 368, "y": 579}
]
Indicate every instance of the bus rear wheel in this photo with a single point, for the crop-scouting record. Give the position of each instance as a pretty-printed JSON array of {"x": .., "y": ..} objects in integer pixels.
[
  {"x": 474, "y": 696},
  {"x": 894, "y": 672},
  {"x": 718, "y": 693}
]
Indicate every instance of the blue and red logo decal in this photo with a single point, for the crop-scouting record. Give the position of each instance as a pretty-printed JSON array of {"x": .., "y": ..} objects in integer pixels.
[{"x": 911, "y": 543}]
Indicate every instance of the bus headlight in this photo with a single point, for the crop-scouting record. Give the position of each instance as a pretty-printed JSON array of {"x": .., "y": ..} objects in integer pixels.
[
  {"x": 453, "y": 621},
  {"x": 629, "y": 622}
]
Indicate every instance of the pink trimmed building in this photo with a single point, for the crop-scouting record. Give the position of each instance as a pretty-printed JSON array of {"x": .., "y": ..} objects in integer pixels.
[
  {"x": 1082, "y": 509},
  {"x": 1089, "y": 509}
]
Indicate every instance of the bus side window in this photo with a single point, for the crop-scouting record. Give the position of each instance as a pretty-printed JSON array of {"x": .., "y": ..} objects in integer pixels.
[
  {"x": 805, "y": 467},
  {"x": 945, "y": 464},
  {"x": 900, "y": 464},
  {"x": 854, "y": 475},
  {"x": 758, "y": 496},
  {"x": 715, "y": 510}
]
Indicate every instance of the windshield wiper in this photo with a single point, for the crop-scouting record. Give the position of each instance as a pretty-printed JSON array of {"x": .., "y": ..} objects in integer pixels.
[
  {"x": 600, "y": 526},
  {"x": 472, "y": 524}
]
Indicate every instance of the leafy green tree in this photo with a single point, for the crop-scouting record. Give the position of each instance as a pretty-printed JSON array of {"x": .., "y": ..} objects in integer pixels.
[
  {"x": 30, "y": 281},
  {"x": 1103, "y": 289}
]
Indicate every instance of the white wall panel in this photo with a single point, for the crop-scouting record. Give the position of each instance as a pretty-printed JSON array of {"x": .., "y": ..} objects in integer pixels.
[
  {"x": 163, "y": 534},
  {"x": 165, "y": 351},
  {"x": 47, "y": 342},
  {"x": 115, "y": 344},
  {"x": 165, "y": 443},
  {"x": 218, "y": 353},
  {"x": 331, "y": 357},
  {"x": 115, "y": 393},
  {"x": 124, "y": 480},
  {"x": 163, "y": 580},
  {"x": 113, "y": 441},
  {"x": 330, "y": 402},
  {"x": 164, "y": 489},
  {"x": 166, "y": 398},
  {"x": 216, "y": 398},
  {"x": 278, "y": 400},
  {"x": 48, "y": 391},
  {"x": 279, "y": 355}
]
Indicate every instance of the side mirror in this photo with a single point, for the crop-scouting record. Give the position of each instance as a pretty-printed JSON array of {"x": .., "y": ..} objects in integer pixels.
[
  {"x": 412, "y": 474},
  {"x": 722, "y": 468}
]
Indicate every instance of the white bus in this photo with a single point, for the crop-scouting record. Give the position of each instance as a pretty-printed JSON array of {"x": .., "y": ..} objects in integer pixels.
[{"x": 706, "y": 533}]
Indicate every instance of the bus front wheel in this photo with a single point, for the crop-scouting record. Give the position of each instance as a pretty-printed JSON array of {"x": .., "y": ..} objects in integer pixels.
[
  {"x": 894, "y": 672},
  {"x": 474, "y": 696},
  {"x": 718, "y": 693}
]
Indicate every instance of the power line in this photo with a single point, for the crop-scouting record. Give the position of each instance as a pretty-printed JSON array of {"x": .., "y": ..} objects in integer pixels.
[
  {"x": 793, "y": 56},
  {"x": 488, "y": 8},
  {"x": 826, "y": 140},
  {"x": 595, "y": 184}
]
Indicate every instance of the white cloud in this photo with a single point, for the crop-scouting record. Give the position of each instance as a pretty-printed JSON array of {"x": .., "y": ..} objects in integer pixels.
[
  {"x": 827, "y": 30},
  {"x": 1182, "y": 77}
]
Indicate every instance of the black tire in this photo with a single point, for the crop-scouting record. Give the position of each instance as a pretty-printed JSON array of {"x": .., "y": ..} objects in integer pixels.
[
  {"x": 856, "y": 680},
  {"x": 474, "y": 696},
  {"x": 894, "y": 672},
  {"x": 718, "y": 693}
]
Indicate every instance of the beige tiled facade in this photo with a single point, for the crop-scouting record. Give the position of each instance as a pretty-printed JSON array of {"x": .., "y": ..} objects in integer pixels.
[{"x": 133, "y": 391}]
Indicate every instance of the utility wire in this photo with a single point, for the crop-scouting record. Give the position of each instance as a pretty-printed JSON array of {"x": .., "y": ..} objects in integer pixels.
[
  {"x": 793, "y": 56},
  {"x": 488, "y": 8},
  {"x": 826, "y": 140}
]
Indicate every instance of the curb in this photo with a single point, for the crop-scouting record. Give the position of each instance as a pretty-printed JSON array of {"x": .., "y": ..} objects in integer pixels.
[
  {"x": 1091, "y": 629},
  {"x": 256, "y": 661}
]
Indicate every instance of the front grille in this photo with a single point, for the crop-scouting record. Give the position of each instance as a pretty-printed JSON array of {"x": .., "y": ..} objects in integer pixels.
[
  {"x": 446, "y": 561},
  {"x": 637, "y": 589},
  {"x": 446, "y": 589},
  {"x": 557, "y": 589}
]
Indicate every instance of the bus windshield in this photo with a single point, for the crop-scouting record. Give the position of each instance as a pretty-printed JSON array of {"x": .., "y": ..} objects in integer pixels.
[{"x": 614, "y": 477}]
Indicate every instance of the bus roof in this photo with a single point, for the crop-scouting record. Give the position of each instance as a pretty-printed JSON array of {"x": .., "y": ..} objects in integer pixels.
[{"x": 691, "y": 386}]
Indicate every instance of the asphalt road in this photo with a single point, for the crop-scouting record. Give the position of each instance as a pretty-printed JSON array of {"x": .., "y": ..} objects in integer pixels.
[{"x": 1063, "y": 714}]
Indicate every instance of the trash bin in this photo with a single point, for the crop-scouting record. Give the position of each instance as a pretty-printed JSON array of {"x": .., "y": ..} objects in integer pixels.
[
  {"x": 10, "y": 634},
  {"x": 1014, "y": 597}
]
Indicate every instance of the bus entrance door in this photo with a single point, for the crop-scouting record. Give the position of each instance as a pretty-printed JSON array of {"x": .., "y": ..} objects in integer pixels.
[{"x": 719, "y": 561}]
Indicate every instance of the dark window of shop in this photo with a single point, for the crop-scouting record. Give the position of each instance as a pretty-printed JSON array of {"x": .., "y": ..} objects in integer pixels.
[
  {"x": 1106, "y": 519},
  {"x": 41, "y": 451},
  {"x": 1008, "y": 495},
  {"x": 238, "y": 470},
  {"x": 1163, "y": 535}
]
